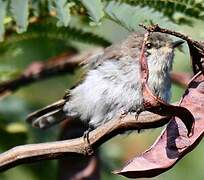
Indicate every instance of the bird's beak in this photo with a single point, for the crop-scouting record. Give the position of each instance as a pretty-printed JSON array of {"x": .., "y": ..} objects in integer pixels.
[{"x": 177, "y": 43}]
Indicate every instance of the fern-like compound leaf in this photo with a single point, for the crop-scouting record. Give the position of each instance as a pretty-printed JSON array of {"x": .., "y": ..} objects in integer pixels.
[{"x": 130, "y": 16}]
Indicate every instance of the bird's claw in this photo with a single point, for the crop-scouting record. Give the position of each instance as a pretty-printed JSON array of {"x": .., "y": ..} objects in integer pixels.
[
  {"x": 123, "y": 114},
  {"x": 89, "y": 149}
]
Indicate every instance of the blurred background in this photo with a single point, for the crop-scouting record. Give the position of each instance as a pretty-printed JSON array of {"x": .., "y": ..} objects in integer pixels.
[{"x": 46, "y": 32}]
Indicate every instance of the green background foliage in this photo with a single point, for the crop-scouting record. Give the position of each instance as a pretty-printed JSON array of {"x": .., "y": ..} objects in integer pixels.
[{"x": 50, "y": 27}]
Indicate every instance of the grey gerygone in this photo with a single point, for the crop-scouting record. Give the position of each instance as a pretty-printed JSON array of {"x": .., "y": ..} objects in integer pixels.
[{"x": 112, "y": 84}]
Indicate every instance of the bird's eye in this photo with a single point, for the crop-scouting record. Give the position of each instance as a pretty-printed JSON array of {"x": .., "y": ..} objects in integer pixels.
[{"x": 149, "y": 45}]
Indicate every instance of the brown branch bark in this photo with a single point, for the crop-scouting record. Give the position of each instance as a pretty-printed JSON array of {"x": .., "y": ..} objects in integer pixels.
[{"x": 55, "y": 150}]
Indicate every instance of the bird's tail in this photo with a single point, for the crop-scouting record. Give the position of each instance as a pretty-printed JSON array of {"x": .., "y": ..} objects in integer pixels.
[{"x": 48, "y": 116}]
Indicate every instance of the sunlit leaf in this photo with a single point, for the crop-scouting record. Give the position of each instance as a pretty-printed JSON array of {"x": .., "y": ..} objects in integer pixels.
[{"x": 16, "y": 127}]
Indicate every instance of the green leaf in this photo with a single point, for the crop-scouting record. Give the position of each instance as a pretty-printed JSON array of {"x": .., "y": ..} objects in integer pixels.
[
  {"x": 130, "y": 16},
  {"x": 63, "y": 12},
  {"x": 3, "y": 6},
  {"x": 20, "y": 11},
  {"x": 95, "y": 10}
]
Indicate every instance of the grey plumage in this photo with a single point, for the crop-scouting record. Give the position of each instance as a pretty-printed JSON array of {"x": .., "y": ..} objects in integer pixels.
[{"x": 112, "y": 84}]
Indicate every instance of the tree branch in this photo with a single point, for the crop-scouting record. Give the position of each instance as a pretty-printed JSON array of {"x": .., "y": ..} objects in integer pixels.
[{"x": 54, "y": 150}]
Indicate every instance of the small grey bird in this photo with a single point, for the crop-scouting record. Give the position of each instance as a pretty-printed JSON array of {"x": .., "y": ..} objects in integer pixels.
[{"x": 113, "y": 83}]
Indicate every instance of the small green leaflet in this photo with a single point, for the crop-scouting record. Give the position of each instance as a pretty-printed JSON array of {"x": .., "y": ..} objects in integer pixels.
[
  {"x": 63, "y": 12},
  {"x": 20, "y": 11},
  {"x": 95, "y": 10},
  {"x": 3, "y": 6}
]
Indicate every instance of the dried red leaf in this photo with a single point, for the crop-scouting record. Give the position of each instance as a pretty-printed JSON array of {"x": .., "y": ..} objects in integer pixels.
[
  {"x": 157, "y": 106},
  {"x": 173, "y": 143}
]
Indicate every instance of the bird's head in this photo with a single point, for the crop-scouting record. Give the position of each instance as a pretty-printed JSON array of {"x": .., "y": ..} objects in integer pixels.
[{"x": 160, "y": 51}]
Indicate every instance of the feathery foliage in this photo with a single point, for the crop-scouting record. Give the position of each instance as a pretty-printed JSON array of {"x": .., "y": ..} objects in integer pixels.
[
  {"x": 129, "y": 16},
  {"x": 187, "y": 8},
  {"x": 178, "y": 11}
]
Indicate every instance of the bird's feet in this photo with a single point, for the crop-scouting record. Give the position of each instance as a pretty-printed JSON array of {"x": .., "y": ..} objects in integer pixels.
[
  {"x": 137, "y": 113},
  {"x": 89, "y": 149},
  {"x": 124, "y": 113},
  {"x": 131, "y": 112}
]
